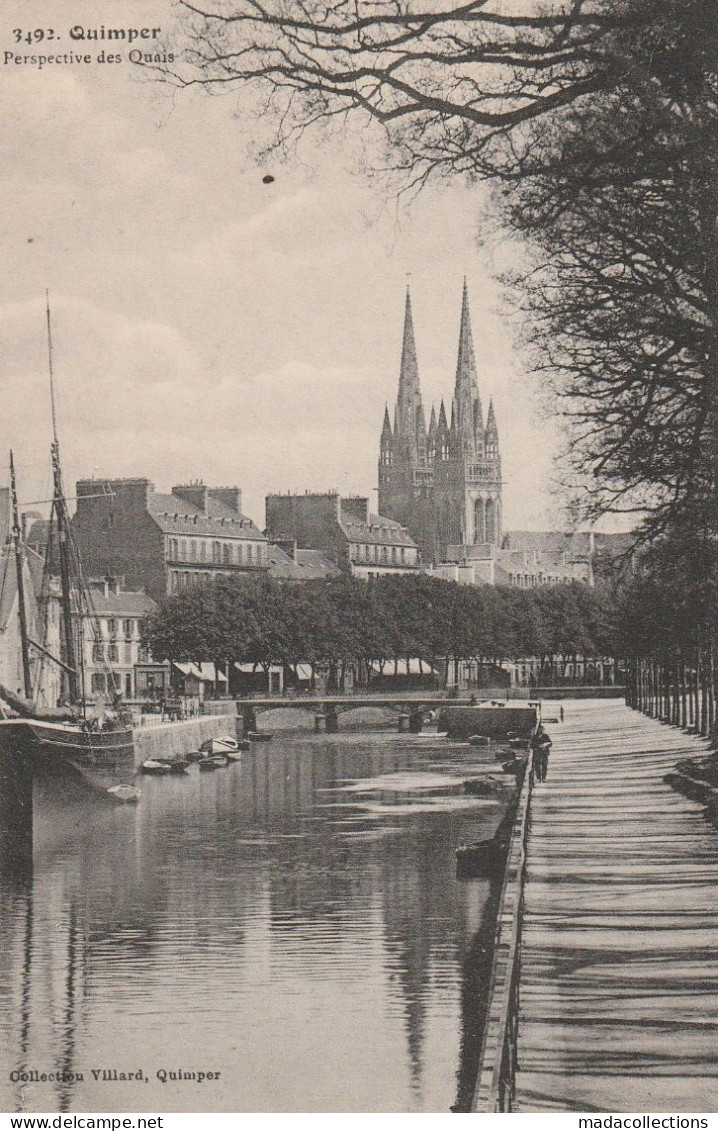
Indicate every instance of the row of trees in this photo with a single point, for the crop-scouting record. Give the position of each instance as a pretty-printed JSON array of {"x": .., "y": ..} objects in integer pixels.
[
  {"x": 347, "y": 620},
  {"x": 667, "y": 633},
  {"x": 655, "y": 621}
]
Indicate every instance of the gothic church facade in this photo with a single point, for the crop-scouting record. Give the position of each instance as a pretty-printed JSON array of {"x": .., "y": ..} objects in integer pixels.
[{"x": 443, "y": 483}]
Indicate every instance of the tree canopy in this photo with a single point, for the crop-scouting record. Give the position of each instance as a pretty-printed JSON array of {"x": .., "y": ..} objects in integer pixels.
[{"x": 346, "y": 619}]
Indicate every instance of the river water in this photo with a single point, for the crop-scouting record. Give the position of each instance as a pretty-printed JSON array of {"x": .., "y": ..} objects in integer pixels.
[{"x": 291, "y": 924}]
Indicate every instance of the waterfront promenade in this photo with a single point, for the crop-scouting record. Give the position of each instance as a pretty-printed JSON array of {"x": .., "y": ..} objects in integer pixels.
[{"x": 619, "y": 971}]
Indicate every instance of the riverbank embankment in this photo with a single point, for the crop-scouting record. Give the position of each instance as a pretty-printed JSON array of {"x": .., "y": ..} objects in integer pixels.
[{"x": 168, "y": 740}]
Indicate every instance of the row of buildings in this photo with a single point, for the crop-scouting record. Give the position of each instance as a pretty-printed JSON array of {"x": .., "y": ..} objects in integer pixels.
[{"x": 440, "y": 511}]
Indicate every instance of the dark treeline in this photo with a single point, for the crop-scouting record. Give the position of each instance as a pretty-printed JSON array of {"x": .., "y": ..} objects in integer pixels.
[
  {"x": 667, "y": 632},
  {"x": 348, "y": 620}
]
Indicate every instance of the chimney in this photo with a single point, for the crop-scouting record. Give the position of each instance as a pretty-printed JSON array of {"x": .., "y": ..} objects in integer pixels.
[
  {"x": 194, "y": 493},
  {"x": 230, "y": 496},
  {"x": 356, "y": 507},
  {"x": 289, "y": 545}
]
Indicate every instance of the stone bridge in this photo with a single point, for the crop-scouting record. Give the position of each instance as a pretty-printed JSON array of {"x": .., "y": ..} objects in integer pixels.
[{"x": 411, "y": 710}]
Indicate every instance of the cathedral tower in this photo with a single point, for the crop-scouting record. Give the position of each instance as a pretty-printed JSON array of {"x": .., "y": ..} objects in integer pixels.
[
  {"x": 405, "y": 476},
  {"x": 467, "y": 477},
  {"x": 444, "y": 485}
]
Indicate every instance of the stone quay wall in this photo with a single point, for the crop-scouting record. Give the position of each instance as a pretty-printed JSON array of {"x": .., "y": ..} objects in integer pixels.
[{"x": 175, "y": 739}]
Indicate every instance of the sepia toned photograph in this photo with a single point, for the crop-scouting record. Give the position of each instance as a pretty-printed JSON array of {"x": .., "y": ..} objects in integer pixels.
[{"x": 359, "y": 559}]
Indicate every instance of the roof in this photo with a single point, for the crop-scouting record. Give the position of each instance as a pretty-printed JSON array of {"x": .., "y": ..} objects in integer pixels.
[
  {"x": 379, "y": 530},
  {"x": 128, "y": 603},
  {"x": 39, "y": 533},
  {"x": 176, "y": 516},
  {"x": 576, "y": 544},
  {"x": 542, "y": 541},
  {"x": 309, "y": 565}
]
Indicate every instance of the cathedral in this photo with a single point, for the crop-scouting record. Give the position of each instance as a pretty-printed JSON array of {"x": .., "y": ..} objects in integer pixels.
[{"x": 443, "y": 483}]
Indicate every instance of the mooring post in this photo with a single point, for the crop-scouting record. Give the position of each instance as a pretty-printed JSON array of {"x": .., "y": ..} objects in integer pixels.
[
  {"x": 15, "y": 815},
  {"x": 332, "y": 719},
  {"x": 416, "y": 721},
  {"x": 249, "y": 719},
  {"x": 320, "y": 723},
  {"x": 404, "y": 720}
]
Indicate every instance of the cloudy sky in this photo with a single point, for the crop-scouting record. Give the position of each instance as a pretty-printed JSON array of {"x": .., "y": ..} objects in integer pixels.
[{"x": 209, "y": 325}]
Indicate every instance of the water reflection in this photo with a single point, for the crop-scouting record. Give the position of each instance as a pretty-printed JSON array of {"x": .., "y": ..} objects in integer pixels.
[{"x": 292, "y": 923}]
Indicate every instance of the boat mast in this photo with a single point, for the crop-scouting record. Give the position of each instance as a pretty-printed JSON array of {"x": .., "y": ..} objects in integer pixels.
[
  {"x": 62, "y": 532},
  {"x": 22, "y": 612}
]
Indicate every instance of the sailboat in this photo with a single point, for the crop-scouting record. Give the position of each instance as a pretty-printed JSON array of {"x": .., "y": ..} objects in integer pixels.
[{"x": 63, "y": 733}]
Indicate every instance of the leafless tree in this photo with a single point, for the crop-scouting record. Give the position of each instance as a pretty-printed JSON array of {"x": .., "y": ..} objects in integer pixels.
[{"x": 596, "y": 119}]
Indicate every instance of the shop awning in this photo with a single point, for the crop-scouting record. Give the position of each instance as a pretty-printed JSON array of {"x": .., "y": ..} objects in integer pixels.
[
  {"x": 412, "y": 666},
  {"x": 211, "y": 674},
  {"x": 251, "y": 669}
]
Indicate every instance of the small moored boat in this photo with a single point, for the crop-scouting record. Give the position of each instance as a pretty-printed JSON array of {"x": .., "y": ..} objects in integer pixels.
[
  {"x": 124, "y": 794},
  {"x": 480, "y": 858},
  {"x": 260, "y": 736},
  {"x": 214, "y": 762},
  {"x": 222, "y": 745},
  {"x": 179, "y": 766},
  {"x": 155, "y": 766}
]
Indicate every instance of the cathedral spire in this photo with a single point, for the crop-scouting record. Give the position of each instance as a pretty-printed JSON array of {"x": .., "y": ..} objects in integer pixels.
[
  {"x": 410, "y": 425},
  {"x": 468, "y": 414},
  {"x": 386, "y": 432},
  {"x": 492, "y": 434}
]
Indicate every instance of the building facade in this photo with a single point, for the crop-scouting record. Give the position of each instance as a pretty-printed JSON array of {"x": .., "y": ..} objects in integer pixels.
[
  {"x": 164, "y": 542},
  {"x": 356, "y": 541},
  {"x": 443, "y": 483},
  {"x": 111, "y": 637}
]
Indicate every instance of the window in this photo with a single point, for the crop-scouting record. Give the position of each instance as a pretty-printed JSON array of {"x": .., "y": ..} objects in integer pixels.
[
  {"x": 250, "y": 553},
  {"x": 227, "y": 552},
  {"x": 98, "y": 653},
  {"x": 112, "y": 626},
  {"x": 183, "y": 550},
  {"x": 98, "y": 681},
  {"x": 403, "y": 554},
  {"x": 193, "y": 550},
  {"x": 393, "y": 555},
  {"x": 174, "y": 548},
  {"x": 202, "y": 550},
  {"x": 216, "y": 552},
  {"x": 127, "y": 653},
  {"x": 113, "y": 653},
  {"x": 128, "y": 629}
]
